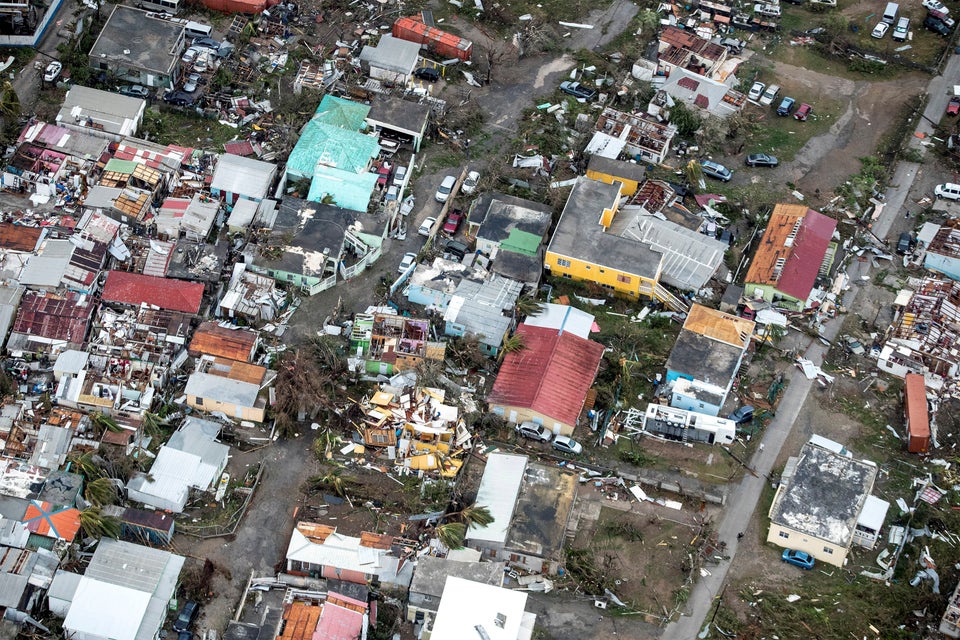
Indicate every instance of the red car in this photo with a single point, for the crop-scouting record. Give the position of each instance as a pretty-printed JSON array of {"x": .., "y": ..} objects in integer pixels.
[
  {"x": 953, "y": 107},
  {"x": 453, "y": 222},
  {"x": 803, "y": 112},
  {"x": 383, "y": 175}
]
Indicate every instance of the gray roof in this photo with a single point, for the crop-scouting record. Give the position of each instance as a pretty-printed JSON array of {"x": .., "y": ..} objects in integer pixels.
[
  {"x": 220, "y": 389},
  {"x": 9, "y": 301},
  {"x": 64, "y": 585},
  {"x": 71, "y": 361},
  {"x": 705, "y": 359},
  {"x": 131, "y": 38},
  {"x": 617, "y": 168},
  {"x": 506, "y": 213},
  {"x": 198, "y": 437},
  {"x": 579, "y": 235},
  {"x": 396, "y": 113},
  {"x": 824, "y": 496},
  {"x": 479, "y": 307},
  {"x": 431, "y": 574},
  {"x": 125, "y": 564},
  {"x": 546, "y": 498},
  {"x": 392, "y": 54},
  {"x": 690, "y": 258},
  {"x": 112, "y": 111},
  {"x": 244, "y": 176},
  {"x": 47, "y": 268},
  {"x": 519, "y": 267},
  {"x": 52, "y": 446},
  {"x": 61, "y": 487}
]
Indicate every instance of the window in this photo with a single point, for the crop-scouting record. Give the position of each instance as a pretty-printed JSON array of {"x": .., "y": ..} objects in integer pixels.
[
  {"x": 587, "y": 267},
  {"x": 828, "y": 551},
  {"x": 567, "y": 276},
  {"x": 623, "y": 279},
  {"x": 603, "y": 271},
  {"x": 607, "y": 286},
  {"x": 784, "y": 534},
  {"x": 200, "y": 401},
  {"x": 563, "y": 263}
]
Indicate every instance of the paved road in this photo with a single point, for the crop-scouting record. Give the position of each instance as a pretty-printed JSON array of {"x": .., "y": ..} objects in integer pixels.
[
  {"x": 744, "y": 497},
  {"x": 940, "y": 89}
]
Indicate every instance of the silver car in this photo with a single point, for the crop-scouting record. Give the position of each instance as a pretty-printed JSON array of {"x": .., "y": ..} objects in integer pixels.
[{"x": 716, "y": 170}]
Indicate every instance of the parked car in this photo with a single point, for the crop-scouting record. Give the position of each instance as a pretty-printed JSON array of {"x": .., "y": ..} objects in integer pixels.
[
  {"x": 880, "y": 30},
  {"x": 756, "y": 91},
  {"x": 534, "y": 431},
  {"x": 786, "y": 106},
  {"x": 445, "y": 188},
  {"x": 577, "y": 90},
  {"x": 567, "y": 444},
  {"x": 408, "y": 259},
  {"x": 208, "y": 43},
  {"x": 470, "y": 184},
  {"x": 769, "y": 94},
  {"x": 901, "y": 30},
  {"x": 761, "y": 160},
  {"x": 947, "y": 190},
  {"x": 52, "y": 71},
  {"x": 953, "y": 107},
  {"x": 383, "y": 175},
  {"x": 191, "y": 83},
  {"x": 904, "y": 243},
  {"x": 716, "y": 170},
  {"x": 854, "y": 346},
  {"x": 456, "y": 249},
  {"x": 742, "y": 415},
  {"x": 400, "y": 174},
  {"x": 454, "y": 218},
  {"x": 186, "y": 616},
  {"x": 178, "y": 98},
  {"x": 427, "y": 226},
  {"x": 935, "y": 5},
  {"x": 134, "y": 91},
  {"x": 190, "y": 55},
  {"x": 803, "y": 112},
  {"x": 202, "y": 61},
  {"x": 429, "y": 74},
  {"x": 943, "y": 17},
  {"x": 935, "y": 25},
  {"x": 800, "y": 559}
]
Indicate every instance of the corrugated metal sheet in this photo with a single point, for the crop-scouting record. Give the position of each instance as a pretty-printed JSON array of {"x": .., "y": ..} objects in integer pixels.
[
  {"x": 166, "y": 293},
  {"x": 498, "y": 491},
  {"x": 212, "y": 339}
]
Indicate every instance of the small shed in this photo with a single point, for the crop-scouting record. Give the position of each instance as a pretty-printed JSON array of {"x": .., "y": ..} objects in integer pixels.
[
  {"x": 237, "y": 177},
  {"x": 391, "y": 59},
  {"x": 915, "y": 413},
  {"x": 401, "y": 119}
]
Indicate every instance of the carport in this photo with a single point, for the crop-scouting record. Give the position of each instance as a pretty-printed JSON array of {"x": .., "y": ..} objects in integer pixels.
[{"x": 400, "y": 119}]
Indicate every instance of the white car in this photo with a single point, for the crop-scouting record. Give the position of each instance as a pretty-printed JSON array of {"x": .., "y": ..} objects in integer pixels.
[
  {"x": 935, "y": 5},
  {"x": 756, "y": 90},
  {"x": 191, "y": 83},
  {"x": 948, "y": 190},
  {"x": 53, "y": 70},
  {"x": 427, "y": 226},
  {"x": 190, "y": 55},
  {"x": 470, "y": 184},
  {"x": 445, "y": 188},
  {"x": 400, "y": 174},
  {"x": 880, "y": 30},
  {"x": 408, "y": 260},
  {"x": 566, "y": 444}
]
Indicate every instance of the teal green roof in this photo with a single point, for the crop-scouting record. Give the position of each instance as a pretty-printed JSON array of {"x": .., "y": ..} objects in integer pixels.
[
  {"x": 522, "y": 242},
  {"x": 120, "y": 166},
  {"x": 343, "y": 114},
  {"x": 348, "y": 190},
  {"x": 322, "y": 144}
]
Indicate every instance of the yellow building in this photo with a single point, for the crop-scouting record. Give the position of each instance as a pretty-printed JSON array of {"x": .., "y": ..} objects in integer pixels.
[
  {"x": 630, "y": 174},
  {"x": 819, "y": 505},
  {"x": 587, "y": 245}
]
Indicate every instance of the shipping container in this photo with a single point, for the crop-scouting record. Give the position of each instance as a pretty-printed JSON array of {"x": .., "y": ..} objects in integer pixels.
[
  {"x": 916, "y": 414},
  {"x": 445, "y": 45}
]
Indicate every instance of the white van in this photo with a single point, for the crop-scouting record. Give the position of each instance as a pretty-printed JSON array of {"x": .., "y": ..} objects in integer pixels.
[
  {"x": 770, "y": 95},
  {"x": 890, "y": 13},
  {"x": 901, "y": 30},
  {"x": 197, "y": 30},
  {"x": 948, "y": 190}
]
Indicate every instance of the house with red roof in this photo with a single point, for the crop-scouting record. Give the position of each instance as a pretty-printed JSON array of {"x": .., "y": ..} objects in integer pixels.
[
  {"x": 796, "y": 249},
  {"x": 135, "y": 289},
  {"x": 547, "y": 381}
]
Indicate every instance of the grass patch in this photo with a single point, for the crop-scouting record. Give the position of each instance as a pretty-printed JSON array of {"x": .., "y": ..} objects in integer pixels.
[
  {"x": 786, "y": 136},
  {"x": 186, "y": 129}
]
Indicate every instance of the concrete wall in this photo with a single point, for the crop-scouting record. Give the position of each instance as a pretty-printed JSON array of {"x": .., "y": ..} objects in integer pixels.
[
  {"x": 516, "y": 415},
  {"x": 822, "y": 550}
]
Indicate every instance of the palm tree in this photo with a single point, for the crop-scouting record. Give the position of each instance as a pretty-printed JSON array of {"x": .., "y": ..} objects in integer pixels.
[
  {"x": 475, "y": 515},
  {"x": 95, "y": 524},
  {"x": 151, "y": 423},
  {"x": 9, "y": 102},
  {"x": 512, "y": 344},
  {"x": 104, "y": 421},
  {"x": 100, "y": 492},
  {"x": 528, "y": 306},
  {"x": 86, "y": 465},
  {"x": 451, "y": 534}
]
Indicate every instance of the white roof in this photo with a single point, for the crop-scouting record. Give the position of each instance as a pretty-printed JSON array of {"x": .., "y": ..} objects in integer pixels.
[
  {"x": 392, "y": 54},
  {"x": 220, "y": 389},
  {"x": 466, "y": 606},
  {"x": 46, "y": 269},
  {"x": 71, "y": 361},
  {"x": 498, "y": 492},
  {"x": 87, "y": 615},
  {"x": 874, "y": 512},
  {"x": 342, "y": 552},
  {"x": 112, "y": 111},
  {"x": 563, "y": 317},
  {"x": 243, "y": 213},
  {"x": 690, "y": 258},
  {"x": 244, "y": 176}
]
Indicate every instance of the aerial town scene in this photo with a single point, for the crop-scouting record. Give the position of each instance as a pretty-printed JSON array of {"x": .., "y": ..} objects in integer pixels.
[{"x": 479, "y": 320}]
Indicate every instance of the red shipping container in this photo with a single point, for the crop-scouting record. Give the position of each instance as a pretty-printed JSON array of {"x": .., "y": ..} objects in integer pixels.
[
  {"x": 445, "y": 45},
  {"x": 915, "y": 413}
]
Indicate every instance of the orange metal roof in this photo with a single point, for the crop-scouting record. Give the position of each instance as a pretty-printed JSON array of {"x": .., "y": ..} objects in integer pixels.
[
  {"x": 375, "y": 540},
  {"x": 720, "y": 326},
  {"x": 915, "y": 391},
  {"x": 17, "y": 237},
  {"x": 782, "y": 223},
  {"x": 300, "y": 621},
  {"x": 213, "y": 340},
  {"x": 47, "y": 520},
  {"x": 233, "y": 370},
  {"x": 314, "y": 532}
]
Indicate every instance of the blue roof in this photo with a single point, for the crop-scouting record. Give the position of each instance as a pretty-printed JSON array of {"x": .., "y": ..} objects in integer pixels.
[
  {"x": 348, "y": 190},
  {"x": 344, "y": 114},
  {"x": 324, "y": 144}
]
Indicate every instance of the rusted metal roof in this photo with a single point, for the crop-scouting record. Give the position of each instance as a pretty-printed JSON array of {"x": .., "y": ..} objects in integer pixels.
[
  {"x": 720, "y": 326},
  {"x": 212, "y": 339},
  {"x": 16, "y": 237},
  {"x": 165, "y": 293},
  {"x": 54, "y": 317}
]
